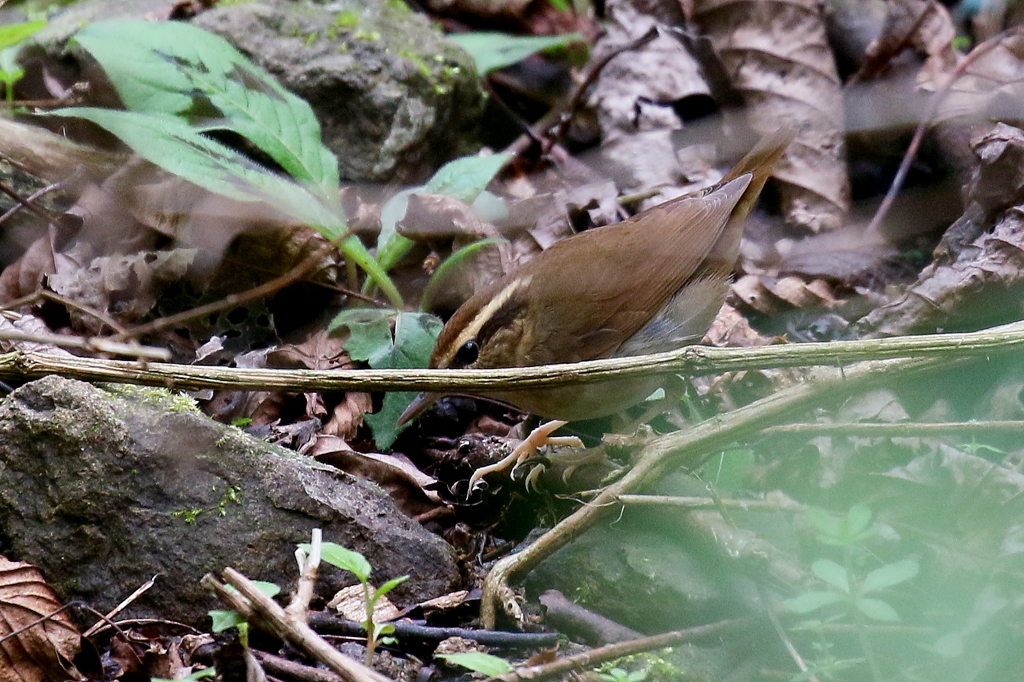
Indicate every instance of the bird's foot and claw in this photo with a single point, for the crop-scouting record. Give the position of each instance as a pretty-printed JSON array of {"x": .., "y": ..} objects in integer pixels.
[{"x": 528, "y": 449}]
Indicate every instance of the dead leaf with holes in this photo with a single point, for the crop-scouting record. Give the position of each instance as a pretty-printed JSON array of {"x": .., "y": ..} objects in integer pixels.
[
  {"x": 778, "y": 56},
  {"x": 41, "y": 653}
]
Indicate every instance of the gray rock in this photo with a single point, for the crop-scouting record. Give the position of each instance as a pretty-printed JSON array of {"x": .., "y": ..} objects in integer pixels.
[
  {"x": 395, "y": 99},
  {"x": 105, "y": 488}
]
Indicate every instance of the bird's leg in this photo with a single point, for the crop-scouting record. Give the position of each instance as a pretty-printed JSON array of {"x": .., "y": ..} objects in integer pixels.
[{"x": 527, "y": 449}]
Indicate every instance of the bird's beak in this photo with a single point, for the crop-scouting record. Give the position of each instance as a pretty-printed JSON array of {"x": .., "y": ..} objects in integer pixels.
[{"x": 421, "y": 402}]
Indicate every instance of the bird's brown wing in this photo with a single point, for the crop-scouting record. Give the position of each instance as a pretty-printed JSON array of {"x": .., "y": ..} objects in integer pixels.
[{"x": 629, "y": 272}]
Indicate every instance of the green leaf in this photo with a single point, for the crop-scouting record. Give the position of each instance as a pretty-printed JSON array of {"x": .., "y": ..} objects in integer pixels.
[
  {"x": 949, "y": 646},
  {"x": 857, "y": 521},
  {"x": 175, "y": 68},
  {"x": 485, "y": 664},
  {"x": 492, "y": 50},
  {"x": 877, "y": 609},
  {"x": 369, "y": 332},
  {"x": 825, "y": 523},
  {"x": 832, "y": 573},
  {"x": 889, "y": 575},
  {"x": 811, "y": 601},
  {"x": 179, "y": 149},
  {"x": 12, "y": 34},
  {"x": 464, "y": 179},
  {"x": 371, "y": 341},
  {"x": 224, "y": 620},
  {"x": 267, "y": 588},
  {"x": 415, "y": 334},
  {"x": 388, "y": 586},
  {"x": 344, "y": 558}
]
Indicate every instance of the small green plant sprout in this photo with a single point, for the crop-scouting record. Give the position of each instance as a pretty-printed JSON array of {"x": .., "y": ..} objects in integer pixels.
[
  {"x": 852, "y": 529},
  {"x": 620, "y": 675},
  {"x": 356, "y": 564},
  {"x": 848, "y": 533},
  {"x": 479, "y": 662},
  {"x": 846, "y": 589},
  {"x": 225, "y": 619}
]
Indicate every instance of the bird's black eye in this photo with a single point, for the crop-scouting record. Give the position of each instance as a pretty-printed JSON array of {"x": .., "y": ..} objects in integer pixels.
[{"x": 468, "y": 353}]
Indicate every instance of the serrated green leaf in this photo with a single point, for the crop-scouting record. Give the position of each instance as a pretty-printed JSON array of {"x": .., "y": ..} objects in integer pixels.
[
  {"x": 344, "y": 558},
  {"x": 466, "y": 177},
  {"x": 478, "y": 662},
  {"x": 811, "y": 601},
  {"x": 877, "y": 609},
  {"x": 369, "y": 332},
  {"x": 832, "y": 573},
  {"x": 415, "y": 334},
  {"x": 177, "y": 148},
  {"x": 493, "y": 50},
  {"x": 890, "y": 574},
  {"x": 176, "y": 68}
]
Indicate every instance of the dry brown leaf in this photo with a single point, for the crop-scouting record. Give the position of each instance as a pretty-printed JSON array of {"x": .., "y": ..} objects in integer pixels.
[
  {"x": 992, "y": 85},
  {"x": 923, "y": 26},
  {"x": 42, "y": 653},
  {"x": 410, "y": 488},
  {"x": 320, "y": 351},
  {"x": 350, "y": 603},
  {"x": 987, "y": 276},
  {"x": 446, "y": 601},
  {"x": 348, "y": 415},
  {"x": 778, "y": 56},
  {"x": 731, "y": 328}
]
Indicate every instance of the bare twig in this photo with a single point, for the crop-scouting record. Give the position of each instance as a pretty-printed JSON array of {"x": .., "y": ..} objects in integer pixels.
[
  {"x": 35, "y": 196},
  {"x": 92, "y": 344},
  {"x": 611, "y": 652},
  {"x": 552, "y": 125},
  {"x": 331, "y": 624},
  {"x": 44, "y": 294},
  {"x": 898, "y": 430},
  {"x": 688, "y": 447},
  {"x": 298, "y": 609},
  {"x": 922, "y": 127},
  {"x": 258, "y": 608},
  {"x": 228, "y": 302},
  {"x": 109, "y": 617},
  {"x": 691, "y": 361}
]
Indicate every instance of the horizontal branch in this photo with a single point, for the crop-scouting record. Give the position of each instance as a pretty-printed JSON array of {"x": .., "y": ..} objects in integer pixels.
[{"x": 691, "y": 361}]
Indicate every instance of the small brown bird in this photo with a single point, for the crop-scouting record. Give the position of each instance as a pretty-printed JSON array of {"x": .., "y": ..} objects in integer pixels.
[{"x": 649, "y": 284}]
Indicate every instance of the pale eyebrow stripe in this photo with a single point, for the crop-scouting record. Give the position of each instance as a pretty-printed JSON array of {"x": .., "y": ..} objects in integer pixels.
[{"x": 488, "y": 310}]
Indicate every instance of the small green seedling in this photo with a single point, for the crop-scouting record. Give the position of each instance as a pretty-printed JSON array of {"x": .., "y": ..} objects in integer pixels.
[
  {"x": 356, "y": 564},
  {"x": 225, "y": 619},
  {"x": 479, "y": 662}
]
